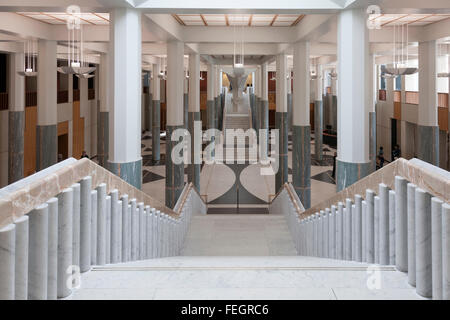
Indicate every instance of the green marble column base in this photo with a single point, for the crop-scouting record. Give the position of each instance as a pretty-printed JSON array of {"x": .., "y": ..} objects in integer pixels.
[
  {"x": 428, "y": 144},
  {"x": 301, "y": 163},
  {"x": 281, "y": 119},
  {"x": 16, "y": 128},
  {"x": 174, "y": 172},
  {"x": 46, "y": 146},
  {"x": 156, "y": 123},
  {"x": 347, "y": 173},
  {"x": 131, "y": 172}
]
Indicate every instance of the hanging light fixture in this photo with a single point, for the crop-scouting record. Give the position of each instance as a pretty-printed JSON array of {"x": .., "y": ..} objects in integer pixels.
[
  {"x": 238, "y": 53},
  {"x": 76, "y": 64},
  {"x": 333, "y": 74},
  {"x": 400, "y": 67},
  {"x": 30, "y": 59},
  {"x": 163, "y": 72}
]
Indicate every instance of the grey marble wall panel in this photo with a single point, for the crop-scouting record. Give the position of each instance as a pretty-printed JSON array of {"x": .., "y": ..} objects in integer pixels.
[
  {"x": 301, "y": 163},
  {"x": 156, "y": 122},
  {"x": 428, "y": 144},
  {"x": 318, "y": 130},
  {"x": 194, "y": 169},
  {"x": 174, "y": 172},
  {"x": 103, "y": 138},
  {"x": 348, "y": 173},
  {"x": 131, "y": 172},
  {"x": 282, "y": 175},
  {"x": 373, "y": 140},
  {"x": 16, "y": 128},
  {"x": 46, "y": 146}
]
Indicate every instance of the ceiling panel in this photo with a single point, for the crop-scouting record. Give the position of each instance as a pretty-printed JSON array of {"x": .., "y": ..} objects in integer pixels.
[
  {"x": 410, "y": 19},
  {"x": 254, "y": 20},
  {"x": 62, "y": 17}
]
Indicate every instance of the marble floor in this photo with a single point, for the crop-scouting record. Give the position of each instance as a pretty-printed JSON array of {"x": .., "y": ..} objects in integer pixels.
[
  {"x": 220, "y": 183},
  {"x": 252, "y": 278}
]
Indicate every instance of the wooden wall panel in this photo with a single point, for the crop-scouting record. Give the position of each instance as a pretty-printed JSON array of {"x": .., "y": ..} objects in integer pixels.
[
  {"x": 203, "y": 97},
  {"x": 272, "y": 100},
  {"x": 63, "y": 128},
  {"x": 443, "y": 118},
  {"x": 311, "y": 115},
  {"x": 398, "y": 110},
  {"x": 443, "y": 100},
  {"x": 29, "y": 161}
]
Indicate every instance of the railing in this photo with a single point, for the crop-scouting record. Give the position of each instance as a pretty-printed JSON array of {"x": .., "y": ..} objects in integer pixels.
[
  {"x": 30, "y": 99},
  {"x": 63, "y": 96},
  {"x": 406, "y": 224},
  {"x": 91, "y": 94},
  {"x": 78, "y": 214},
  {"x": 412, "y": 97},
  {"x": 3, "y": 101},
  {"x": 382, "y": 95}
]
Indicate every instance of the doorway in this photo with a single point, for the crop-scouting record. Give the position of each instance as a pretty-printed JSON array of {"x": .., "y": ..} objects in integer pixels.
[{"x": 63, "y": 147}]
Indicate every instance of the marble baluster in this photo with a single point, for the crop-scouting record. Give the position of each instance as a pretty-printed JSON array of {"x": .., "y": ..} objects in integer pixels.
[
  {"x": 7, "y": 261},
  {"x": 125, "y": 229},
  {"x": 108, "y": 229},
  {"x": 332, "y": 232},
  {"x": 363, "y": 231},
  {"x": 401, "y": 225},
  {"x": 383, "y": 193},
  {"x": 76, "y": 225},
  {"x": 348, "y": 230},
  {"x": 320, "y": 234},
  {"x": 370, "y": 226},
  {"x": 376, "y": 229},
  {"x": 135, "y": 254},
  {"x": 38, "y": 253},
  {"x": 143, "y": 230},
  {"x": 358, "y": 228},
  {"x": 148, "y": 240},
  {"x": 392, "y": 227},
  {"x": 446, "y": 251},
  {"x": 436, "y": 247},
  {"x": 65, "y": 229},
  {"x": 94, "y": 207},
  {"x": 326, "y": 231},
  {"x": 101, "y": 224},
  {"x": 340, "y": 232},
  {"x": 116, "y": 239},
  {"x": 21, "y": 258},
  {"x": 52, "y": 261},
  {"x": 411, "y": 192},
  {"x": 85, "y": 223}
]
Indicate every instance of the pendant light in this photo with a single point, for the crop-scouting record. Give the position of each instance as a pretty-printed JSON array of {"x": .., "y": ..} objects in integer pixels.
[
  {"x": 30, "y": 59},
  {"x": 76, "y": 64},
  {"x": 238, "y": 47},
  {"x": 400, "y": 67}
]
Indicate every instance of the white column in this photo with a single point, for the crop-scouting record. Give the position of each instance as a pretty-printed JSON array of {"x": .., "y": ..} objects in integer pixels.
[
  {"x": 194, "y": 82},
  {"x": 46, "y": 83},
  {"x": 264, "y": 82},
  {"x": 210, "y": 84},
  {"x": 156, "y": 69},
  {"x": 175, "y": 76},
  {"x": 104, "y": 82},
  {"x": 16, "y": 94},
  {"x": 428, "y": 102},
  {"x": 281, "y": 95},
  {"x": 301, "y": 98},
  {"x": 126, "y": 87},
  {"x": 353, "y": 117}
]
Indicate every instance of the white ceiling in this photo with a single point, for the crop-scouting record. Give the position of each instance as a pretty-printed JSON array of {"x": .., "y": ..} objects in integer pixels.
[
  {"x": 253, "y": 20},
  {"x": 410, "y": 19},
  {"x": 61, "y": 17}
]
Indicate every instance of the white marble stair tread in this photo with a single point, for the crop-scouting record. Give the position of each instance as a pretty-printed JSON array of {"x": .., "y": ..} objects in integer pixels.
[{"x": 290, "y": 277}]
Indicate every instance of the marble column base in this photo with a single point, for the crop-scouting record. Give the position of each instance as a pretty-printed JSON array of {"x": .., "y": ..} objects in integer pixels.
[
  {"x": 156, "y": 119},
  {"x": 131, "y": 172},
  {"x": 174, "y": 172},
  {"x": 318, "y": 130},
  {"x": 373, "y": 141},
  {"x": 194, "y": 169},
  {"x": 281, "y": 119},
  {"x": 347, "y": 173},
  {"x": 334, "y": 111},
  {"x": 46, "y": 146},
  {"x": 16, "y": 129},
  {"x": 148, "y": 113},
  {"x": 103, "y": 138},
  {"x": 301, "y": 163},
  {"x": 185, "y": 110},
  {"x": 289, "y": 106},
  {"x": 428, "y": 144},
  {"x": 210, "y": 114}
]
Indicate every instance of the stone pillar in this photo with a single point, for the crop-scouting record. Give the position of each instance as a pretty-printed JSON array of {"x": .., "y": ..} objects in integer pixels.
[
  {"x": 218, "y": 100},
  {"x": 281, "y": 122},
  {"x": 174, "y": 116},
  {"x": 210, "y": 97},
  {"x": 423, "y": 243},
  {"x": 334, "y": 103},
  {"x": 428, "y": 130},
  {"x": 46, "y": 129},
  {"x": 353, "y": 129},
  {"x": 7, "y": 261},
  {"x": 126, "y": 91},
  {"x": 446, "y": 251},
  {"x": 301, "y": 129},
  {"x": 185, "y": 101},
  {"x": 103, "y": 114},
  {"x": 371, "y": 100},
  {"x": 194, "y": 115},
  {"x": 65, "y": 211},
  {"x": 257, "y": 99},
  {"x": 264, "y": 110},
  {"x": 16, "y": 121},
  {"x": 289, "y": 100},
  {"x": 21, "y": 258},
  {"x": 156, "y": 111},
  {"x": 401, "y": 225},
  {"x": 318, "y": 116},
  {"x": 148, "y": 104}
]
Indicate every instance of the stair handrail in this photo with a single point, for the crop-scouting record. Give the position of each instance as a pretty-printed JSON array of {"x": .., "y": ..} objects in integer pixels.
[
  {"x": 19, "y": 201},
  {"x": 184, "y": 195}
]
